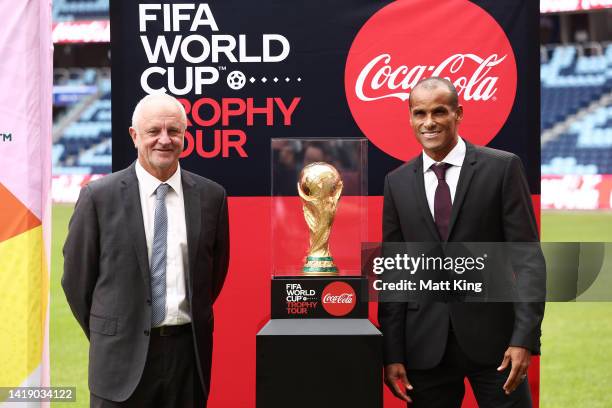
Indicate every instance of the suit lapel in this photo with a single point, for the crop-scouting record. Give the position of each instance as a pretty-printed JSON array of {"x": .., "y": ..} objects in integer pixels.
[
  {"x": 419, "y": 186},
  {"x": 133, "y": 213},
  {"x": 193, "y": 221},
  {"x": 465, "y": 177}
]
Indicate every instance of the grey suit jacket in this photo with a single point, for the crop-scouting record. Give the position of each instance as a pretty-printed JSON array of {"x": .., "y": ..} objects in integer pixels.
[
  {"x": 107, "y": 279},
  {"x": 492, "y": 204}
]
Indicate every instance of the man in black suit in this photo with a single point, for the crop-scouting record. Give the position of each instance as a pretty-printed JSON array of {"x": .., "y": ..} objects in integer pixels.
[
  {"x": 457, "y": 192},
  {"x": 145, "y": 258}
]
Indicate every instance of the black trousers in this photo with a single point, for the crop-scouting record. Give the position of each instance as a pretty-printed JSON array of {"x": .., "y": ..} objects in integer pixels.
[
  {"x": 170, "y": 378},
  {"x": 443, "y": 386}
]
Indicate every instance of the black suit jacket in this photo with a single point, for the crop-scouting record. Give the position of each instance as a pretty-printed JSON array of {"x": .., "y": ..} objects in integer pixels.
[
  {"x": 107, "y": 279},
  {"x": 492, "y": 204}
]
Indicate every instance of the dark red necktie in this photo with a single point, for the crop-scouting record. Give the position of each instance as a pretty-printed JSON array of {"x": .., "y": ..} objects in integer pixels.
[{"x": 442, "y": 200}]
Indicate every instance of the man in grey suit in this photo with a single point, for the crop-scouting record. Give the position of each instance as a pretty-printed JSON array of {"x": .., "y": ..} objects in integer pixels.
[
  {"x": 457, "y": 192},
  {"x": 146, "y": 256}
]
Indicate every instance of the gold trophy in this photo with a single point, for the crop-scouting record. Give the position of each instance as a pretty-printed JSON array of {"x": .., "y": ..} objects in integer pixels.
[{"x": 320, "y": 187}]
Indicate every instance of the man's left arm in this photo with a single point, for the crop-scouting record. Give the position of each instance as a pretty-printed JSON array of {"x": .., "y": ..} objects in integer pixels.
[
  {"x": 221, "y": 250},
  {"x": 520, "y": 226}
]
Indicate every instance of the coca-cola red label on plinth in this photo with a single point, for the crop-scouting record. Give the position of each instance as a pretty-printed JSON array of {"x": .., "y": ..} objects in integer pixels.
[
  {"x": 404, "y": 43},
  {"x": 338, "y": 298}
]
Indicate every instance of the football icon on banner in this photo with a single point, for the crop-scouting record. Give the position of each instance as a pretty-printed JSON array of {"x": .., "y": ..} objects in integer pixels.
[{"x": 236, "y": 80}]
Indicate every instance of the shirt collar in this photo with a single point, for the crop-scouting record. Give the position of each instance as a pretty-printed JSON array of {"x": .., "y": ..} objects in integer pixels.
[
  {"x": 455, "y": 157},
  {"x": 149, "y": 183}
]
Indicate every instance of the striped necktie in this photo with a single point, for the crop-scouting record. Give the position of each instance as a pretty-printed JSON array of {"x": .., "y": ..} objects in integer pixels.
[{"x": 158, "y": 256}]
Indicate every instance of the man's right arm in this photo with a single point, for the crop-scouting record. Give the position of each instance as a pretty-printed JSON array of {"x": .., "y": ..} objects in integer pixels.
[
  {"x": 392, "y": 315},
  {"x": 81, "y": 258}
]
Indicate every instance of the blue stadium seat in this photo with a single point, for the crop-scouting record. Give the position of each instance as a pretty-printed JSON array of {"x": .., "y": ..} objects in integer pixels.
[
  {"x": 586, "y": 148},
  {"x": 86, "y": 143},
  {"x": 571, "y": 82},
  {"x": 71, "y": 10}
]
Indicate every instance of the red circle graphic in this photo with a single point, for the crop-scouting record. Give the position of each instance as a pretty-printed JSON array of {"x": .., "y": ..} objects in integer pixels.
[
  {"x": 409, "y": 40},
  {"x": 338, "y": 298}
]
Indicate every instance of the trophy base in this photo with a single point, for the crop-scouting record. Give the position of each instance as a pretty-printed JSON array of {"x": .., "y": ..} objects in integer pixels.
[
  {"x": 320, "y": 266},
  {"x": 319, "y": 273}
]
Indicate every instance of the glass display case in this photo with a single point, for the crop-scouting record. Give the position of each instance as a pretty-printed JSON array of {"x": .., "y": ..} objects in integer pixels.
[{"x": 319, "y": 206}]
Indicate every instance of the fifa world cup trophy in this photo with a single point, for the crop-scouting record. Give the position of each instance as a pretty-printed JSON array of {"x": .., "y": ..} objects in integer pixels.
[{"x": 320, "y": 187}]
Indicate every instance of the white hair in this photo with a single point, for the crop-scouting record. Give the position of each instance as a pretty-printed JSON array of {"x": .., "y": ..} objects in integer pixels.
[{"x": 153, "y": 96}]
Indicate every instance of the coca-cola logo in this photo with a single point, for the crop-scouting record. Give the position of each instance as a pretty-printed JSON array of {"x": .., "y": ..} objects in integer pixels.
[
  {"x": 410, "y": 40},
  {"x": 338, "y": 298},
  {"x": 342, "y": 298}
]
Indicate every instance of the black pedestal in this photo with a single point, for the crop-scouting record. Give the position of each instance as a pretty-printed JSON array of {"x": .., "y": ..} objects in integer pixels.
[{"x": 319, "y": 363}]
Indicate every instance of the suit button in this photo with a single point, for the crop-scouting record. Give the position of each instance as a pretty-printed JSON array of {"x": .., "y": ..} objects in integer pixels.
[
  {"x": 149, "y": 302},
  {"x": 146, "y": 332}
]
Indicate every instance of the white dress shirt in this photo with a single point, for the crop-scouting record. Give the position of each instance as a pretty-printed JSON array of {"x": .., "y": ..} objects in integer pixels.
[
  {"x": 177, "y": 310},
  {"x": 455, "y": 158}
]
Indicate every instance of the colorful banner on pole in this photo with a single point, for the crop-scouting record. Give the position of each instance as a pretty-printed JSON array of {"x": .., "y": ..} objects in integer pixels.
[{"x": 25, "y": 199}]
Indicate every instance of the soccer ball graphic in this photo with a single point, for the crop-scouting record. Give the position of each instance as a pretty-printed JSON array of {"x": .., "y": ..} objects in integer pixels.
[{"x": 236, "y": 80}]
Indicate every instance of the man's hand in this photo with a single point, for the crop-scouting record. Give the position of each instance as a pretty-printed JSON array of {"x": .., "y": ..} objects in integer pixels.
[
  {"x": 519, "y": 358},
  {"x": 396, "y": 380}
]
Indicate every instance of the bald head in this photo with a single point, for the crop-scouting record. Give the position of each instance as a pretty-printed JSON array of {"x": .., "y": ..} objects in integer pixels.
[
  {"x": 432, "y": 83},
  {"x": 156, "y": 100}
]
